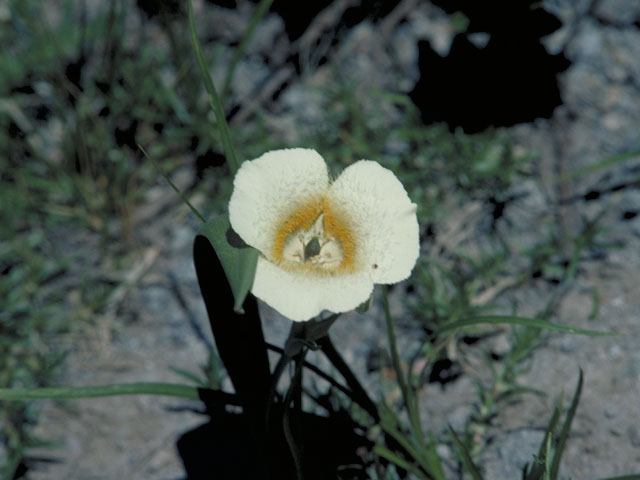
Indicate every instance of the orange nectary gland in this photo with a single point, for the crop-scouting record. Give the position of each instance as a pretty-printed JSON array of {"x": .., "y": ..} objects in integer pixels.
[{"x": 336, "y": 226}]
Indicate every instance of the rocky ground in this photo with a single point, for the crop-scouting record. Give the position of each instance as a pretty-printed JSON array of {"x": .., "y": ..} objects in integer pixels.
[{"x": 158, "y": 317}]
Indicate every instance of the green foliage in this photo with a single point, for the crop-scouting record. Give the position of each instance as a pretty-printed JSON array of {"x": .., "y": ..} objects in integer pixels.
[
  {"x": 69, "y": 161},
  {"x": 238, "y": 259},
  {"x": 547, "y": 462},
  {"x": 75, "y": 99}
]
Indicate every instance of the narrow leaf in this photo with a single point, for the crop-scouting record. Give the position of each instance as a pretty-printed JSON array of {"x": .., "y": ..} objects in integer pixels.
[
  {"x": 400, "y": 462},
  {"x": 139, "y": 388},
  {"x": 225, "y": 269},
  {"x": 537, "y": 469},
  {"x": 632, "y": 476},
  {"x": 564, "y": 431},
  {"x": 524, "y": 321},
  {"x": 216, "y": 104},
  {"x": 258, "y": 14},
  {"x": 465, "y": 455},
  {"x": 238, "y": 260},
  {"x": 173, "y": 185},
  {"x": 389, "y": 426}
]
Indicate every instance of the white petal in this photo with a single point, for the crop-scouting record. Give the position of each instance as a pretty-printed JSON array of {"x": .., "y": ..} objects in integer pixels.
[
  {"x": 384, "y": 219},
  {"x": 301, "y": 297},
  {"x": 266, "y": 188}
]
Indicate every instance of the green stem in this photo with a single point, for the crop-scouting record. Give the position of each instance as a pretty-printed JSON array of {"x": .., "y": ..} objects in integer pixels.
[
  {"x": 182, "y": 196},
  {"x": 358, "y": 394},
  {"x": 139, "y": 388},
  {"x": 239, "y": 52},
  {"x": 294, "y": 388},
  {"x": 216, "y": 104},
  {"x": 316, "y": 370},
  {"x": 407, "y": 395}
]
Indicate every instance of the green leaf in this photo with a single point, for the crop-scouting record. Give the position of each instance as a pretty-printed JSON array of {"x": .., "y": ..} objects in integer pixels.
[
  {"x": 140, "y": 388},
  {"x": 524, "y": 321},
  {"x": 238, "y": 260},
  {"x": 216, "y": 104},
  {"x": 600, "y": 165},
  {"x": 225, "y": 267},
  {"x": 364, "y": 306},
  {"x": 388, "y": 422},
  {"x": 258, "y": 14},
  {"x": 564, "y": 431},
  {"x": 182, "y": 196},
  {"x": 544, "y": 466},
  {"x": 632, "y": 476},
  {"x": 537, "y": 469},
  {"x": 399, "y": 461},
  {"x": 189, "y": 376},
  {"x": 465, "y": 455}
]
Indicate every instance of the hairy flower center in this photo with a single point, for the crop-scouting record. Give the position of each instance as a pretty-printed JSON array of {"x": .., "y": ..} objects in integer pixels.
[
  {"x": 313, "y": 246},
  {"x": 317, "y": 237}
]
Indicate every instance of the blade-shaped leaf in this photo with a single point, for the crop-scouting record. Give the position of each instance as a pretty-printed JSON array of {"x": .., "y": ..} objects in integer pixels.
[
  {"x": 225, "y": 269},
  {"x": 463, "y": 452},
  {"x": 566, "y": 428},
  {"x": 524, "y": 321},
  {"x": 544, "y": 466},
  {"x": 238, "y": 260},
  {"x": 537, "y": 468},
  {"x": 214, "y": 100}
]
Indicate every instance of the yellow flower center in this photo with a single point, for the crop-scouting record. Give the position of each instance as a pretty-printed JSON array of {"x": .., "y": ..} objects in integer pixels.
[{"x": 317, "y": 237}]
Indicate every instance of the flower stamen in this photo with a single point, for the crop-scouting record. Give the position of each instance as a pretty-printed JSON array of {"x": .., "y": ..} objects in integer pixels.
[{"x": 322, "y": 242}]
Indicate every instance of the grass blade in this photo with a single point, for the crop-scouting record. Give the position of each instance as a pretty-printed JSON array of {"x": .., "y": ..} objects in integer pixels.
[
  {"x": 537, "y": 469},
  {"x": 173, "y": 185},
  {"x": 600, "y": 165},
  {"x": 216, "y": 104},
  {"x": 400, "y": 462},
  {"x": 258, "y": 14},
  {"x": 466, "y": 457},
  {"x": 524, "y": 321},
  {"x": 388, "y": 422},
  {"x": 564, "y": 431},
  {"x": 632, "y": 476},
  {"x": 138, "y": 388}
]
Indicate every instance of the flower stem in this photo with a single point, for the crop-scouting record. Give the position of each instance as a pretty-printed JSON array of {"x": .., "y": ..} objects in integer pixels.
[
  {"x": 317, "y": 371},
  {"x": 294, "y": 391},
  {"x": 358, "y": 393},
  {"x": 407, "y": 395}
]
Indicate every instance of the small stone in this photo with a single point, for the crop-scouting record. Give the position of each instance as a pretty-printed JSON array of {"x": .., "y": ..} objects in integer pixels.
[
  {"x": 634, "y": 435},
  {"x": 615, "y": 351},
  {"x": 613, "y": 122},
  {"x": 618, "y": 12},
  {"x": 570, "y": 344}
]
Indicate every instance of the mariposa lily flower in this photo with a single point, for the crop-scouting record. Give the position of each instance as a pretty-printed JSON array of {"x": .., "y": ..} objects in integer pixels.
[{"x": 323, "y": 244}]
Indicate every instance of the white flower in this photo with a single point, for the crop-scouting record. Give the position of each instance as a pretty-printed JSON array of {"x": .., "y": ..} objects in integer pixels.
[{"x": 323, "y": 244}]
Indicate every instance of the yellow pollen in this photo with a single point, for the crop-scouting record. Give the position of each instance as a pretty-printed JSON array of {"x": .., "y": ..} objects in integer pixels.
[{"x": 295, "y": 230}]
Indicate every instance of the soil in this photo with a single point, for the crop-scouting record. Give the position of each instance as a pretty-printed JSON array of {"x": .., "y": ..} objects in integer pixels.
[{"x": 158, "y": 322}]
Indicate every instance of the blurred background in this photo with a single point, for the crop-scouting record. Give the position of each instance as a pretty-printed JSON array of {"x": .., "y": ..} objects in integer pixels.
[{"x": 512, "y": 124}]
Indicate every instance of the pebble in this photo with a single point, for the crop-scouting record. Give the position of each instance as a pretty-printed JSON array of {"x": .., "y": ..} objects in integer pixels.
[
  {"x": 618, "y": 12},
  {"x": 634, "y": 435}
]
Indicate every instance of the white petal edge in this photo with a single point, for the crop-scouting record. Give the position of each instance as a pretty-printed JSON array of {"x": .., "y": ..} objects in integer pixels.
[
  {"x": 301, "y": 297},
  {"x": 384, "y": 220},
  {"x": 266, "y": 188}
]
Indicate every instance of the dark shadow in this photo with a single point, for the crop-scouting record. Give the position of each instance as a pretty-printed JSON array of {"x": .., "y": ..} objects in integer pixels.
[
  {"x": 510, "y": 80},
  {"x": 236, "y": 442},
  {"x": 226, "y": 448}
]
